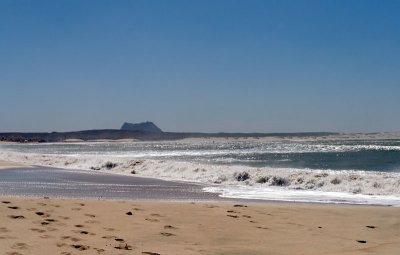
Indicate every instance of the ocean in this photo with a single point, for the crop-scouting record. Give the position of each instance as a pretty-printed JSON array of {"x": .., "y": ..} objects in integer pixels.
[{"x": 315, "y": 170}]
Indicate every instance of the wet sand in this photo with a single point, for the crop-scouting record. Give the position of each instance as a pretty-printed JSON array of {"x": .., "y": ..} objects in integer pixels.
[
  {"x": 67, "y": 226},
  {"x": 56, "y": 182}
]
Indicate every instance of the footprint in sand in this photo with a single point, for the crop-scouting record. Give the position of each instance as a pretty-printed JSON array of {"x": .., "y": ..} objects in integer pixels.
[
  {"x": 99, "y": 250},
  {"x": 151, "y": 220},
  {"x": 38, "y": 230},
  {"x": 45, "y": 215},
  {"x": 13, "y": 207},
  {"x": 92, "y": 221},
  {"x": 232, "y": 211},
  {"x": 240, "y": 206},
  {"x": 4, "y": 230},
  {"x": 361, "y": 241},
  {"x": 123, "y": 246},
  {"x": 90, "y": 215},
  {"x": 79, "y": 226},
  {"x": 167, "y": 234},
  {"x": 6, "y": 202},
  {"x": 84, "y": 232},
  {"x": 45, "y": 236},
  {"x": 232, "y": 216},
  {"x": 169, "y": 227},
  {"x": 150, "y": 253},
  {"x": 108, "y": 237},
  {"x": 13, "y": 253},
  {"x": 80, "y": 247},
  {"x": 74, "y": 239},
  {"x": 20, "y": 246},
  {"x": 16, "y": 216}
]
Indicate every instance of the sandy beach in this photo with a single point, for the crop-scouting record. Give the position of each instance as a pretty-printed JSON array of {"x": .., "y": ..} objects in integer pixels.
[
  {"x": 8, "y": 165},
  {"x": 65, "y": 226}
]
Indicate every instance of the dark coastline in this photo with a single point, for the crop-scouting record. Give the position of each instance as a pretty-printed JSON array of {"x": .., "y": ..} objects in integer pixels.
[{"x": 115, "y": 134}]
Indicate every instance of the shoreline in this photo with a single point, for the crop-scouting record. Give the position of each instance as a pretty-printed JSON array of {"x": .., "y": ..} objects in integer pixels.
[
  {"x": 152, "y": 186},
  {"x": 72, "y": 183},
  {"x": 146, "y": 169}
]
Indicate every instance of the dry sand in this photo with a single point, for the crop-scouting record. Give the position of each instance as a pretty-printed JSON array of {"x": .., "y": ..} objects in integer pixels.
[
  {"x": 7, "y": 165},
  {"x": 62, "y": 226}
]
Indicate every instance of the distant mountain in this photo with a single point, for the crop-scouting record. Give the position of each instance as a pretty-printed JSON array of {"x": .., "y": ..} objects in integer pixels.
[
  {"x": 144, "y": 126},
  {"x": 146, "y": 131},
  {"x": 116, "y": 134}
]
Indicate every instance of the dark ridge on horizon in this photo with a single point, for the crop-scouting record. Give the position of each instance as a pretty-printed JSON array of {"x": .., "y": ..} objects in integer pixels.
[
  {"x": 145, "y": 131},
  {"x": 115, "y": 134},
  {"x": 147, "y": 126}
]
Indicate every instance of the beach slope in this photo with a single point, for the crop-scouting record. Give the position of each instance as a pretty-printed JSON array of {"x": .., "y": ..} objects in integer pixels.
[{"x": 67, "y": 226}]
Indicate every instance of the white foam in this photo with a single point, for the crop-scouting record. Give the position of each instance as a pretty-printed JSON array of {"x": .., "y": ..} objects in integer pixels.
[
  {"x": 281, "y": 194},
  {"x": 303, "y": 185}
]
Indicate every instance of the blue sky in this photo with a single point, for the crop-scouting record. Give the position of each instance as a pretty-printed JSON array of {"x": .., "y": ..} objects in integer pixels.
[{"x": 245, "y": 66}]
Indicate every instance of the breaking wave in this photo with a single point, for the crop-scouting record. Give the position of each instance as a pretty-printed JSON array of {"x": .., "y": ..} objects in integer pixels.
[{"x": 334, "y": 172}]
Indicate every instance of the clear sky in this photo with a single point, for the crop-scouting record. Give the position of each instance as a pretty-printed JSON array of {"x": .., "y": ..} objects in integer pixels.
[{"x": 246, "y": 66}]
